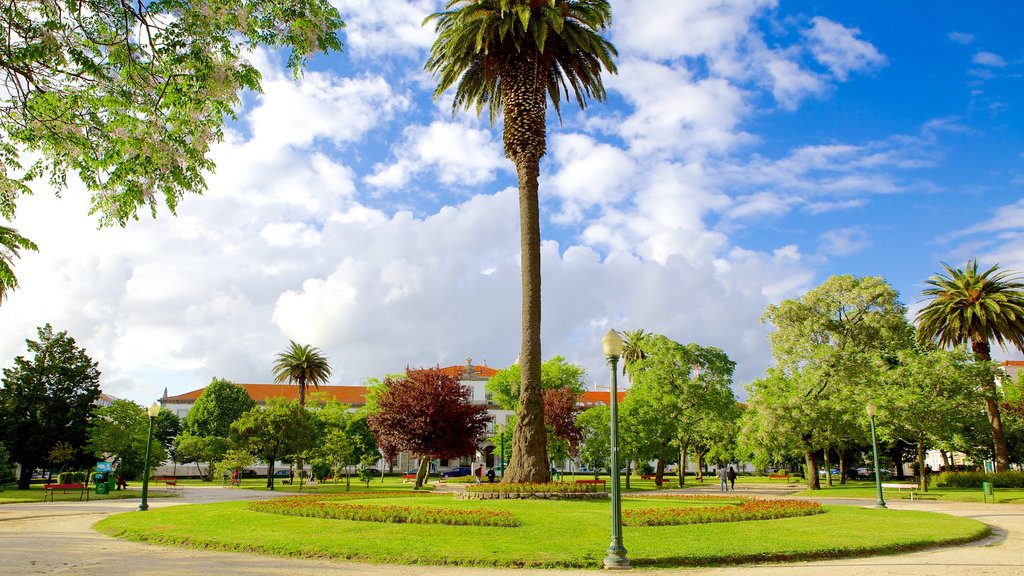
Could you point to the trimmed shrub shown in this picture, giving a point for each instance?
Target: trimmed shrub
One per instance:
(974, 479)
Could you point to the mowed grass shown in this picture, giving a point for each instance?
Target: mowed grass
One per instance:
(36, 494)
(862, 489)
(553, 534)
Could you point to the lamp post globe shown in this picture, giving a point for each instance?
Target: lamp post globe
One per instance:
(152, 411)
(872, 409)
(616, 559)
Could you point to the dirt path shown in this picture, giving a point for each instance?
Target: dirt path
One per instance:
(58, 539)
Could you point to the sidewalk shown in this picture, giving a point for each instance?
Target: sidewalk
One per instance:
(58, 539)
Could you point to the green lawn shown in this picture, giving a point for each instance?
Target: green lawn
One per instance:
(553, 534)
(864, 489)
(36, 493)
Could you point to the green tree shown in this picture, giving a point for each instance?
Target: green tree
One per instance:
(555, 374)
(827, 344)
(345, 439)
(277, 429)
(927, 394)
(10, 244)
(119, 432)
(207, 426)
(47, 399)
(511, 56)
(965, 306)
(678, 391)
(595, 449)
(220, 404)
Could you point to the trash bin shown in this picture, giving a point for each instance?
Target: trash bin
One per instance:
(987, 492)
(102, 486)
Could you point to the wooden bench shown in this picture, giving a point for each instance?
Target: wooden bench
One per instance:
(170, 483)
(51, 489)
(648, 476)
(406, 478)
(601, 483)
(901, 487)
(785, 477)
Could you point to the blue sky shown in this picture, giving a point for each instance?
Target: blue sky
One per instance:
(749, 149)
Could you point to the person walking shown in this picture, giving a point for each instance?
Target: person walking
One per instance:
(479, 473)
(731, 474)
(723, 475)
(490, 475)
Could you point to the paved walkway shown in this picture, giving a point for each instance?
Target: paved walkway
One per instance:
(57, 538)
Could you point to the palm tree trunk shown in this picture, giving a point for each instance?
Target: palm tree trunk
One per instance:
(982, 352)
(524, 101)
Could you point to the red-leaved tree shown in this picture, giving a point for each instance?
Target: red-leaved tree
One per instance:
(561, 406)
(429, 414)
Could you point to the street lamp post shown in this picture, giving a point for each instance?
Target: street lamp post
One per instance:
(872, 409)
(153, 410)
(616, 558)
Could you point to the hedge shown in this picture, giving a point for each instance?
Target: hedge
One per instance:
(974, 479)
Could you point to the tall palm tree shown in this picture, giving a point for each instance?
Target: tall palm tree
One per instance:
(970, 307)
(10, 243)
(303, 365)
(511, 56)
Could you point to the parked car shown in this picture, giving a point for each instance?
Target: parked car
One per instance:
(457, 472)
(282, 473)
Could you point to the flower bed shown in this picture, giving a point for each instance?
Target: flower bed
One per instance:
(541, 491)
(311, 506)
(745, 509)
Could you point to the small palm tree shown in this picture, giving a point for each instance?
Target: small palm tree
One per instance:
(303, 365)
(10, 243)
(966, 306)
(633, 343)
(511, 56)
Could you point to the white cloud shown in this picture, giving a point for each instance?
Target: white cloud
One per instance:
(692, 28)
(989, 59)
(839, 49)
(589, 173)
(674, 112)
(844, 241)
(960, 37)
(374, 28)
(458, 154)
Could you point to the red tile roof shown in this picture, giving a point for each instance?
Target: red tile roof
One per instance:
(594, 397)
(478, 371)
(260, 393)
(1017, 363)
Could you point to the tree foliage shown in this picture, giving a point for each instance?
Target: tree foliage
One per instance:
(11, 244)
(119, 432)
(274, 431)
(555, 374)
(47, 399)
(828, 347)
(430, 414)
(681, 396)
(303, 365)
(129, 96)
(220, 404)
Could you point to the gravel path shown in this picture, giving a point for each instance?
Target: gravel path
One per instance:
(57, 538)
